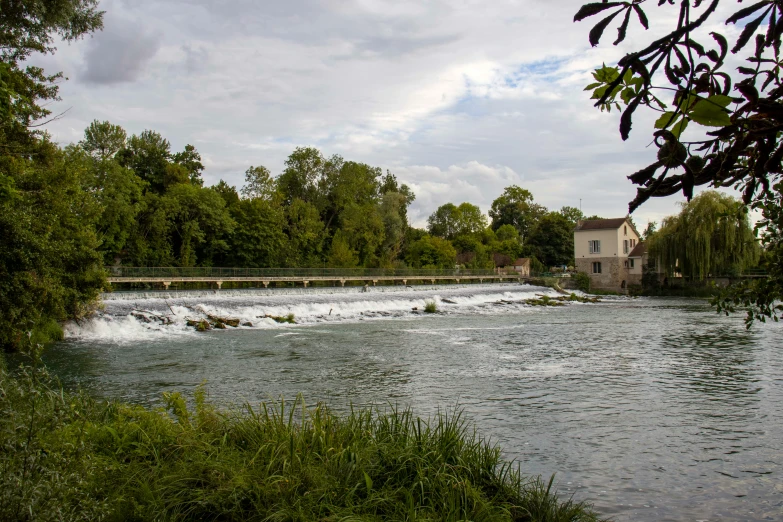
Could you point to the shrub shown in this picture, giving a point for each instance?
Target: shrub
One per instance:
(582, 281)
(430, 307)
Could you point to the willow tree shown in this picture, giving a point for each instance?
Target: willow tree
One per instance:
(711, 236)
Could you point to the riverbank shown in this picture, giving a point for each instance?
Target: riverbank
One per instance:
(68, 456)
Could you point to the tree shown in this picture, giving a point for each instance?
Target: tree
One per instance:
(711, 236)
(552, 240)
(198, 224)
(29, 27)
(50, 270)
(652, 226)
(363, 227)
(259, 183)
(227, 192)
(740, 110)
(341, 255)
(432, 252)
(258, 240)
(190, 159)
(443, 222)
(515, 207)
(389, 184)
(572, 214)
(148, 154)
(304, 171)
(49, 263)
(450, 221)
(306, 232)
(103, 140)
(392, 213)
(507, 232)
(118, 192)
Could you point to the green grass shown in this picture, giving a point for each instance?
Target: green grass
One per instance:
(430, 307)
(69, 457)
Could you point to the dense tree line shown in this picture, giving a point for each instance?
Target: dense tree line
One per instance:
(518, 227)
(154, 210)
(320, 211)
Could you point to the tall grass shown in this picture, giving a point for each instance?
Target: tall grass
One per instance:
(68, 457)
(430, 307)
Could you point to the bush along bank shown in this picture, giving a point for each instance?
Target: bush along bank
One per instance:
(69, 457)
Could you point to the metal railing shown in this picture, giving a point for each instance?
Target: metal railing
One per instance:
(212, 272)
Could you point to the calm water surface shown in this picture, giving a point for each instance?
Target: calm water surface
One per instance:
(653, 409)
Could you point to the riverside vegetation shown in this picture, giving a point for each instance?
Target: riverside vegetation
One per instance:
(69, 457)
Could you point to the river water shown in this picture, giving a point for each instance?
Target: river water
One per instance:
(651, 408)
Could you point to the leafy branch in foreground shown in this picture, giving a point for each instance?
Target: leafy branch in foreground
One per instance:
(686, 79)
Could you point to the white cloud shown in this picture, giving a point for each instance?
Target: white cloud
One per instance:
(459, 98)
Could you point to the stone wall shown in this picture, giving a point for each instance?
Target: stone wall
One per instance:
(613, 273)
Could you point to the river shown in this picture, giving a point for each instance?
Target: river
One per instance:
(651, 408)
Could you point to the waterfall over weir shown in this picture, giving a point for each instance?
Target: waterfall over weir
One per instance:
(130, 316)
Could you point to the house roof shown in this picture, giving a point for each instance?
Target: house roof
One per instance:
(601, 224)
(639, 250)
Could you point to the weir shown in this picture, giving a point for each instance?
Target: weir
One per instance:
(166, 276)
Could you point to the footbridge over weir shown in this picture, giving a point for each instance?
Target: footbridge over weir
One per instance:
(167, 276)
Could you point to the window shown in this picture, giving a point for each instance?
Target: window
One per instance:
(626, 263)
(594, 247)
(625, 246)
(597, 267)
(625, 230)
(631, 261)
(633, 243)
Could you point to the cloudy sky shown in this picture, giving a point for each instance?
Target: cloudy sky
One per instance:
(459, 98)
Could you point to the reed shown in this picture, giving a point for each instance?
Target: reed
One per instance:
(67, 456)
(430, 307)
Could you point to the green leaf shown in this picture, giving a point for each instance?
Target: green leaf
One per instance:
(367, 481)
(593, 86)
(665, 119)
(679, 127)
(599, 92)
(627, 94)
(710, 112)
(720, 99)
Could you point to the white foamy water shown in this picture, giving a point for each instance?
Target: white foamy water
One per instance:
(133, 316)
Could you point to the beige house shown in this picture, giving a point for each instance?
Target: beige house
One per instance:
(522, 266)
(610, 252)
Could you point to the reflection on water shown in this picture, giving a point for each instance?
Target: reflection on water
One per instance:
(655, 409)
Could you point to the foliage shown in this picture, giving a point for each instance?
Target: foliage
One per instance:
(711, 236)
(258, 184)
(582, 281)
(515, 207)
(762, 297)
(431, 252)
(430, 307)
(341, 255)
(552, 240)
(69, 457)
(30, 27)
(652, 226)
(103, 140)
(49, 265)
(741, 111)
(450, 221)
(572, 214)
